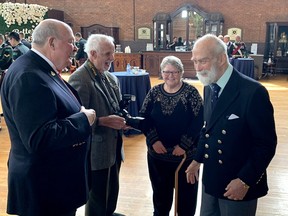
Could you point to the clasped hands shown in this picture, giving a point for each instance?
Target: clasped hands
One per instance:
(160, 149)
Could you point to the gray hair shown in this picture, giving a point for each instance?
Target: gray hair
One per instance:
(174, 61)
(218, 47)
(94, 42)
(47, 28)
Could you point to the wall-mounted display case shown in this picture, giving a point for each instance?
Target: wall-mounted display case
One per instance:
(277, 45)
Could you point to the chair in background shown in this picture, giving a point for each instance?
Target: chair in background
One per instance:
(269, 68)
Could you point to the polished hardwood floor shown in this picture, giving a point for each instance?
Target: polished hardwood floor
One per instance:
(135, 198)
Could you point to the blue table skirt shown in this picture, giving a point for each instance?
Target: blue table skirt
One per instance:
(134, 84)
(244, 65)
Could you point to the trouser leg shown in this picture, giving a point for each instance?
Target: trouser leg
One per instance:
(113, 188)
(97, 203)
(237, 208)
(187, 193)
(209, 204)
(162, 181)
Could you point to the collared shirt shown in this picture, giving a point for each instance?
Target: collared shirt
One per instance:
(45, 58)
(225, 78)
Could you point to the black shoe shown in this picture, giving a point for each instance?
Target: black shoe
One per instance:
(117, 214)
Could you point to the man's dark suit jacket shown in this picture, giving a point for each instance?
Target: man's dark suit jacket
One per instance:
(239, 140)
(47, 163)
(26, 43)
(6, 56)
(81, 54)
(230, 48)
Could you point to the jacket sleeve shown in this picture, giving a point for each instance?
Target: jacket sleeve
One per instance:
(262, 126)
(57, 122)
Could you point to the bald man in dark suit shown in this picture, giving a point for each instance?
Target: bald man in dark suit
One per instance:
(48, 128)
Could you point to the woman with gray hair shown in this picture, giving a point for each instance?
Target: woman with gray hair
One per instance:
(173, 114)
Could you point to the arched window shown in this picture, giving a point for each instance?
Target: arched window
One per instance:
(187, 22)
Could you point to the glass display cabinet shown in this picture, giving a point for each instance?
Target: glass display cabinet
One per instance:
(161, 28)
(277, 45)
(187, 22)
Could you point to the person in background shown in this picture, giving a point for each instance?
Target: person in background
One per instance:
(180, 41)
(80, 56)
(99, 90)
(173, 113)
(173, 44)
(229, 45)
(18, 48)
(49, 129)
(188, 44)
(6, 53)
(23, 40)
(7, 38)
(5, 61)
(239, 48)
(238, 139)
(221, 37)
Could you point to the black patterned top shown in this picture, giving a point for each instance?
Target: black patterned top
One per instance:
(172, 118)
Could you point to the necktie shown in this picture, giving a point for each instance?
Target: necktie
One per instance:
(215, 91)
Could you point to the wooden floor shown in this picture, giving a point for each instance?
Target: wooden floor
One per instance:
(135, 197)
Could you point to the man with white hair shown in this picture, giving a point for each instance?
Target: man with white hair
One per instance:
(238, 139)
(99, 90)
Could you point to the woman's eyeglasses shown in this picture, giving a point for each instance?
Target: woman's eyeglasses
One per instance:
(167, 73)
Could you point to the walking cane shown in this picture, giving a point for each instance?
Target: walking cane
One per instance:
(176, 184)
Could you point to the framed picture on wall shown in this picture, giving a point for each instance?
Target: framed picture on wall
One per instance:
(232, 32)
(144, 33)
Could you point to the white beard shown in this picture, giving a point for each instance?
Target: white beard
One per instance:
(207, 77)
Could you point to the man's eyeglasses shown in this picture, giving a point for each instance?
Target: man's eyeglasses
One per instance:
(167, 73)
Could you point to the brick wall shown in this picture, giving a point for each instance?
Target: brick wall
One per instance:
(249, 15)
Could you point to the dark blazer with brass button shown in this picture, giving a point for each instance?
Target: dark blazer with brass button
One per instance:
(239, 139)
(47, 166)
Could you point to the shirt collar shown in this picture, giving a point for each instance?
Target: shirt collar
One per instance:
(225, 77)
(45, 58)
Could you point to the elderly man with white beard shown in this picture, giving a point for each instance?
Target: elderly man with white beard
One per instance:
(238, 139)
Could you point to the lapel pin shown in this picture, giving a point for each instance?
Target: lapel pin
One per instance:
(53, 73)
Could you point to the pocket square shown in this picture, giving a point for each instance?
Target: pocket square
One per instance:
(233, 116)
